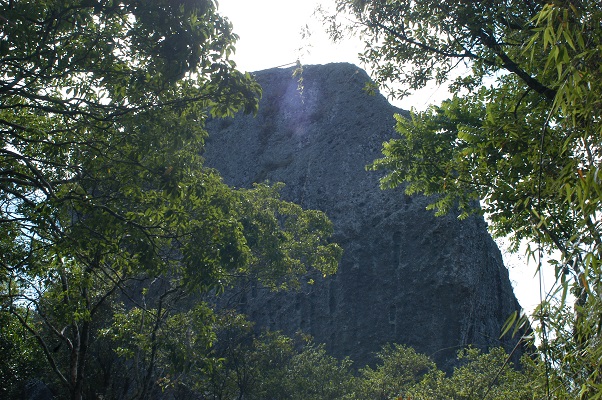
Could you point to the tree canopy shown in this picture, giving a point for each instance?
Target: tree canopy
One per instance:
(274, 366)
(519, 140)
(111, 228)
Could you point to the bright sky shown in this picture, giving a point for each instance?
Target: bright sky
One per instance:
(271, 36)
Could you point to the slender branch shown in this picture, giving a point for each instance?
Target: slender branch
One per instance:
(407, 39)
(43, 345)
(45, 185)
(511, 66)
(154, 347)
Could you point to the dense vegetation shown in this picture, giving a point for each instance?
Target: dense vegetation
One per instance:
(111, 228)
(522, 134)
(273, 366)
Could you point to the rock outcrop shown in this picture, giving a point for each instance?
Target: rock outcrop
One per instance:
(37, 390)
(434, 283)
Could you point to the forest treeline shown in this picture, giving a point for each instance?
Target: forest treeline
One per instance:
(243, 364)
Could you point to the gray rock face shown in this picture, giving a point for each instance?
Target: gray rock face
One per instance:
(436, 284)
(37, 390)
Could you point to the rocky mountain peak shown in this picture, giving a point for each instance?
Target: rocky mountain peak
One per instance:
(434, 283)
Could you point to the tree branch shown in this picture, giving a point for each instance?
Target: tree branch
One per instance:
(43, 345)
(511, 66)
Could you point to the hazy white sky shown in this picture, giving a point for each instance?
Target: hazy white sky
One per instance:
(271, 36)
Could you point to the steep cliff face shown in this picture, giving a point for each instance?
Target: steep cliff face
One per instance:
(436, 284)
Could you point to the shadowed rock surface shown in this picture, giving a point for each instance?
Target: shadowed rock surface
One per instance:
(436, 284)
(37, 390)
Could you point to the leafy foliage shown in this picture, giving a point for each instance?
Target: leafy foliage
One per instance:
(110, 226)
(20, 357)
(272, 365)
(479, 376)
(399, 369)
(276, 366)
(522, 135)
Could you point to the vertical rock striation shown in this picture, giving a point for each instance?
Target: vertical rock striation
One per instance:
(436, 284)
